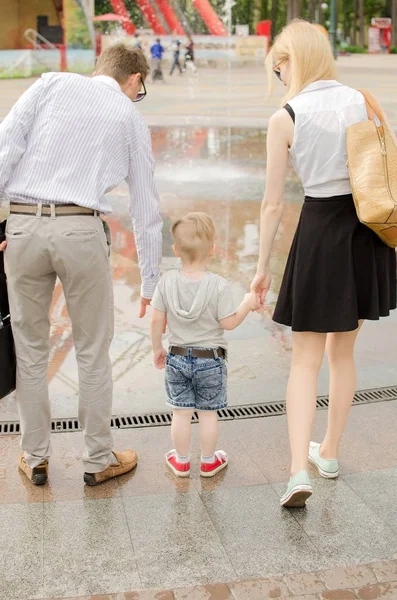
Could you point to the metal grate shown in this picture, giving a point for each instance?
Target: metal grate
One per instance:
(249, 411)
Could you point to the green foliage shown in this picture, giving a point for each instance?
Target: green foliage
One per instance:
(77, 33)
(355, 49)
(393, 50)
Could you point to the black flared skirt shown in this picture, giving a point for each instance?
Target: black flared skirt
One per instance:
(338, 271)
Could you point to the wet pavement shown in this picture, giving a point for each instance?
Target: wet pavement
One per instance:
(152, 531)
(220, 171)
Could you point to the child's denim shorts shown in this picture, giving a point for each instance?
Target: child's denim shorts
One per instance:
(196, 383)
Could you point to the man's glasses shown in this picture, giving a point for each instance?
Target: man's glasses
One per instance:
(141, 94)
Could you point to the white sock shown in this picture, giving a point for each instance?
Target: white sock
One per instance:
(209, 460)
(182, 459)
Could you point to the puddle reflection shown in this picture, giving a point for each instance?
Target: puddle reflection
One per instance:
(216, 170)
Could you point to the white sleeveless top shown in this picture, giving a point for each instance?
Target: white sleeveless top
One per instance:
(323, 112)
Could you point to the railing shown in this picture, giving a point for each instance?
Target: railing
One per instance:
(40, 43)
(32, 36)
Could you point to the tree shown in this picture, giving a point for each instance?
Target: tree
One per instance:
(312, 10)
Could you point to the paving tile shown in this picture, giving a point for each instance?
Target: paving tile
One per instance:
(140, 595)
(151, 475)
(66, 472)
(349, 577)
(259, 589)
(378, 489)
(14, 485)
(305, 583)
(304, 597)
(385, 571)
(242, 470)
(217, 591)
(260, 539)
(361, 450)
(87, 548)
(342, 527)
(266, 441)
(21, 541)
(175, 542)
(146, 595)
(380, 591)
(338, 595)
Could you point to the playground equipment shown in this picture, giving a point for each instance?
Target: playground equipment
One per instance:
(163, 19)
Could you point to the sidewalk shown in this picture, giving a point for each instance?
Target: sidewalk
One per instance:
(149, 530)
(240, 99)
(377, 581)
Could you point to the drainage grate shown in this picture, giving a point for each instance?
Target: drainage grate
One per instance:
(250, 411)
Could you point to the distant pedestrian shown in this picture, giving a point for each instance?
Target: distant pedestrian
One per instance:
(137, 42)
(189, 56)
(176, 47)
(157, 52)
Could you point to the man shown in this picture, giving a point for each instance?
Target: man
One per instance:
(66, 142)
(157, 52)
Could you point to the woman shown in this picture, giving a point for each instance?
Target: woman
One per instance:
(338, 273)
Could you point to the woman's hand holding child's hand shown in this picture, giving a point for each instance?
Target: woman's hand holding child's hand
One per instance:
(253, 301)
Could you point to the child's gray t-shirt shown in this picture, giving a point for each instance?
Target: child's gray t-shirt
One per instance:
(194, 308)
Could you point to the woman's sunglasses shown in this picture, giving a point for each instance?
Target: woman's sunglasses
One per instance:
(276, 69)
(141, 94)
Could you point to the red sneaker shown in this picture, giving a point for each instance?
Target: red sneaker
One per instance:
(211, 469)
(179, 469)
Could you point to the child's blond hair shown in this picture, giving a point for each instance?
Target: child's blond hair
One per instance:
(194, 236)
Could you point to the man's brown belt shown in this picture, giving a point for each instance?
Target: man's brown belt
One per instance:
(197, 353)
(49, 210)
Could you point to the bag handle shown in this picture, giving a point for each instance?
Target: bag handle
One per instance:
(373, 106)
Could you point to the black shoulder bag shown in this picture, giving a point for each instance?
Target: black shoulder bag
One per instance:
(7, 350)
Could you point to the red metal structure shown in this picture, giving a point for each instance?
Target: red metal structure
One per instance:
(150, 15)
(120, 9)
(203, 7)
(210, 18)
(170, 17)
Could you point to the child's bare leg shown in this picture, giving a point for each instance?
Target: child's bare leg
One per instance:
(208, 431)
(181, 431)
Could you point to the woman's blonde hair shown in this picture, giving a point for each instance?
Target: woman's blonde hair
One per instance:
(309, 53)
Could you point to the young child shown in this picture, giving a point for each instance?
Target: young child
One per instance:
(198, 306)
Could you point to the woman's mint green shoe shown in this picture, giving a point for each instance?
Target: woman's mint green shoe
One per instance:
(327, 468)
(298, 491)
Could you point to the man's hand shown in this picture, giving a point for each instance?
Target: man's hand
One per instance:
(3, 246)
(142, 308)
(159, 358)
